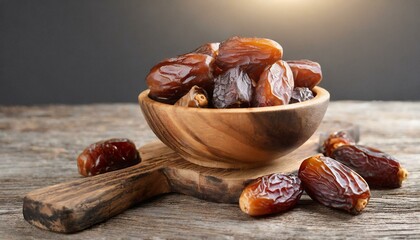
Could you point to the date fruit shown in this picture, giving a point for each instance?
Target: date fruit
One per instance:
(336, 140)
(172, 78)
(251, 54)
(379, 169)
(211, 49)
(106, 156)
(196, 97)
(271, 194)
(275, 86)
(301, 94)
(334, 184)
(230, 66)
(306, 73)
(232, 89)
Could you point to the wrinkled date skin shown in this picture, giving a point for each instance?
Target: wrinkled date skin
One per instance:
(172, 78)
(336, 140)
(275, 86)
(211, 49)
(106, 156)
(379, 169)
(271, 194)
(196, 97)
(301, 94)
(232, 89)
(306, 73)
(251, 54)
(333, 184)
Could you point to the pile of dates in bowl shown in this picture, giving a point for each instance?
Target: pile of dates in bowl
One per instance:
(236, 73)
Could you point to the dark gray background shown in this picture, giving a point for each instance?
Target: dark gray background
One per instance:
(84, 51)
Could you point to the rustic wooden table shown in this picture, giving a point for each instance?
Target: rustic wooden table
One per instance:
(38, 147)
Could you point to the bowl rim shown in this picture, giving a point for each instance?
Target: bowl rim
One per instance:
(322, 95)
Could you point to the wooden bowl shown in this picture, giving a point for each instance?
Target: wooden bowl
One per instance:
(237, 137)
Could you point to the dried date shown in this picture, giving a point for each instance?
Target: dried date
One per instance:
(275, 86)
(336, 140)
(251, 54)
(271, 194)
(196, 97)
(301, 94)
(306, 73)
(211, 49)
(232, 89)
(106, 156)
(172, 78)
(379, 169)
(334, 184)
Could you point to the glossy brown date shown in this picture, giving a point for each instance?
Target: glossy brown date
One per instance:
(232, 89)
(251, 54)
(106, 156)
(271, 194)
(301, 94)
(196, 97)
(211, 49)
(275, 86)
(336, 140)
(379, 169)
(333, 184)
(172, 78)
(306, 73)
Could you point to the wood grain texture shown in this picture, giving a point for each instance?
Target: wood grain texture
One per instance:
(237, 137)
(73, 206)
(76, 205)
(39, 145)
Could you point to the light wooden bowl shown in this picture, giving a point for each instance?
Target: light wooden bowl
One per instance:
(238, 137)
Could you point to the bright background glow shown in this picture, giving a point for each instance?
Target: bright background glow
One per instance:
(100, 51)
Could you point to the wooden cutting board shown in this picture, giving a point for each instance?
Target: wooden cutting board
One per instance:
(79, 204)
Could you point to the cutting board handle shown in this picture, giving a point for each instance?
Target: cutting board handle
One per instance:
(76, 205)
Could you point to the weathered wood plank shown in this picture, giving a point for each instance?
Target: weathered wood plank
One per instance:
(38, 147)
